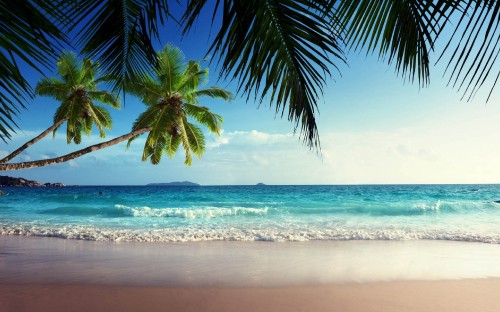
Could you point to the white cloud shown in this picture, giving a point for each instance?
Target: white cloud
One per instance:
(73, 163)
(437, 154)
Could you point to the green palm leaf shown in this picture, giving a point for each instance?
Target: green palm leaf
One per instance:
(170, 68)
(105, 98)
(195, 138)
(186, 144)
(172, 144)
(277, 48)
(212, 92)
(88, 123)
(120, 34)
(193, 77)
(404, 31)
(52, 87)
(205, 117)
(69, 69)
(28, 34)
(147, 89)
(87, 74)
(101, 117)
(476, 38)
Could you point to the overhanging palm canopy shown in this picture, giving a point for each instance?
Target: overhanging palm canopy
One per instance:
(281, 50)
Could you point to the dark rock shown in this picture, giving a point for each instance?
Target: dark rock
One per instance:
(10, 181)
(53, 184)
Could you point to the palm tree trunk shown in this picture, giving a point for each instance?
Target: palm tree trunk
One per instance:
(32, 141)
(60, 159)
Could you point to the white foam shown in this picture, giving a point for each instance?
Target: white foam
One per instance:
(204, 213)
(206, 233)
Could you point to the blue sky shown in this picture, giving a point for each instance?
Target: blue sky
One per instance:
(374, 128)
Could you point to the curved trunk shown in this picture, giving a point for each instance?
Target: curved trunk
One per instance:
(60, 159)
(32, 141)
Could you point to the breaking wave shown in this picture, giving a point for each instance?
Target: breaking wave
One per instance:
(193, 213)
(283, 234)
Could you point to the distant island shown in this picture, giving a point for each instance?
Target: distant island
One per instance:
(259, 184)
(11, 181)
(184, 183)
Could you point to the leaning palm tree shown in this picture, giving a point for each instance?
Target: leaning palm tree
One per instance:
(77, 90)
(172, 102)
(171, 97)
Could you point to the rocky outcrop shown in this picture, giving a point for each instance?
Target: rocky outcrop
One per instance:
(10, 181)
(57, 184)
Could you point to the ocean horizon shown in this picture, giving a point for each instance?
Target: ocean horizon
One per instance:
(274, 213)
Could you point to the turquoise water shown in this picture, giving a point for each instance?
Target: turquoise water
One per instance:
(249, 213)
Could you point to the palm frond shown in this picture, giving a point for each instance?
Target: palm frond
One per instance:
(195, 137)
(170, 67)
(205, 117)
(105, 97)
(104, 116)
(77, 134)
(186, 144)
(88, 71)
(157, 150)
(404, 31)
(29, 34)
(145, 119)
(52, 87)
(101, 117)
(69, 68)
(276, 48)
(193, 77)
(212, 92)
(167, 118)
(476, 42)
(120, 34)
(147, 89)
(87, 127)
(62, 111)
(172, 144)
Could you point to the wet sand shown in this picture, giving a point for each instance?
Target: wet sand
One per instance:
(48, 274)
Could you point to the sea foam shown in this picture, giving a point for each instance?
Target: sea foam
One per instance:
(205, 233)
(187, 213)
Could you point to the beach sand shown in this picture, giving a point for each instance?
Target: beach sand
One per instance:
(418, 296)
(48, 274)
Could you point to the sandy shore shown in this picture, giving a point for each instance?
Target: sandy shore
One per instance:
(47, 274)
(418, 296)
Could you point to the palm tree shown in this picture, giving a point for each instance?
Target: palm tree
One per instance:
(77, 90)
(171, 97)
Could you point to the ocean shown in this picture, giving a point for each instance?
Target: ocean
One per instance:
(254, 213)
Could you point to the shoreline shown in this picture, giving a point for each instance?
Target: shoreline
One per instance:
(42, 260)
